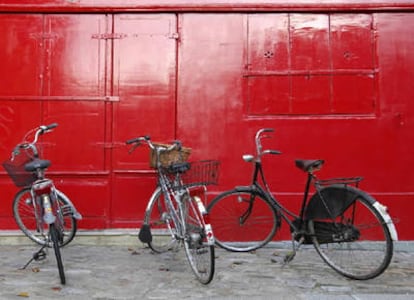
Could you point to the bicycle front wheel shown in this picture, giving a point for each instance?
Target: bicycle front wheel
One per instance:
(357, 244)
(242, 220)
(161, 225)
(199, 252)
(55, 239)
(25, 216)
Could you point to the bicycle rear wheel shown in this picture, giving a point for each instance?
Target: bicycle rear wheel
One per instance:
(162, 227)
(242, 220)
(199, 252)
(55, 238)
(358, 244)
(25, 217)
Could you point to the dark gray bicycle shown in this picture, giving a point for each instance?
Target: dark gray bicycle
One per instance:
(351, 231)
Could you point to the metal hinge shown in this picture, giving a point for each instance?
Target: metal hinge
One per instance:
(174, 35)
(108, 36)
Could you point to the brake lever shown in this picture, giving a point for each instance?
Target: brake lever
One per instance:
(135, 146)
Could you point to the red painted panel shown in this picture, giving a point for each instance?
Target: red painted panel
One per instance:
(311, 95)
(90, 195)
(270, 35)
(15, 121)
(75, 145)
(353, 94)
(131, 192)
(269, 95)
(20, 54)
(309, 41)
(144, 79)
(210, 104)
(76, 58)
(352, 41)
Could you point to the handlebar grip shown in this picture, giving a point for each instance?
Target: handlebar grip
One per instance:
(268, 130)
(51, 126)
(131, 141)
(275, 152)
(137, 139)
(46, 128)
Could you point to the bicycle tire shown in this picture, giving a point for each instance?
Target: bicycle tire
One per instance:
(200, 254)
(225, 213)
(162, 227)
(54, 236)
(25, 217)
(365, 255)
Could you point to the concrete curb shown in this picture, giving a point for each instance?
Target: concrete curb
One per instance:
(83, 237)
(113, 237)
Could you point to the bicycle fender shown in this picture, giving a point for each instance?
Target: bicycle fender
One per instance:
(338, 198)
(331, 201)
(247, 188)
(382, 209)
(75, 213)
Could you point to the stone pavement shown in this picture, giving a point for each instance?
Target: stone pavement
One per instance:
(130, 271)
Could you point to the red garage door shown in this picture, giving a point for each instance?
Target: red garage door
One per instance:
(104, 79)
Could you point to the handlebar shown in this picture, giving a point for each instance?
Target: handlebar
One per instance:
(26, 144)
(260, 134)
(147, 139)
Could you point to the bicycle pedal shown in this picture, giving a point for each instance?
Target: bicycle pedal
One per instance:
(38, 256)
(289, 257)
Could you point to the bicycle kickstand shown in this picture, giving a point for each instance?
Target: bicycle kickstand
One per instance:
(291, 255)
(39, 255)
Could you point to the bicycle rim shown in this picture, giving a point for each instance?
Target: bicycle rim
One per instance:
(161, 225)
(200, 255)
(370, 251)
(231, 233)
(25, 217)
(54, 236)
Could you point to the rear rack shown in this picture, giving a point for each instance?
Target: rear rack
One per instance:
(343, 181)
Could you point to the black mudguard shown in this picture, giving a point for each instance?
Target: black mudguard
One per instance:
(331, 201)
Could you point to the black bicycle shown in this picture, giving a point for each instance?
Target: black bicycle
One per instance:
(42, 212)
(351, 231)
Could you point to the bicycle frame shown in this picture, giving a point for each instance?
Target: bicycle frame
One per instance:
(265, 192)
(177, 195)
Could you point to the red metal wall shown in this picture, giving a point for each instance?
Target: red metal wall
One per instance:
(334, 80)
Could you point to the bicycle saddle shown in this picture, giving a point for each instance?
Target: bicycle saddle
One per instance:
(179, 168)
(37, 164)
(309, 165)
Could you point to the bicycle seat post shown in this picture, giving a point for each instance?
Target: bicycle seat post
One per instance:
(305, 194)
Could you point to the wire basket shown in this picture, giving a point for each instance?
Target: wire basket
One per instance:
(202, 172)
(15, 169)
(168, 158)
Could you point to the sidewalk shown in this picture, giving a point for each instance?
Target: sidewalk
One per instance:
(129, 270)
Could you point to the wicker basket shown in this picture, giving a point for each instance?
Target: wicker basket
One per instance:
(169, 157)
